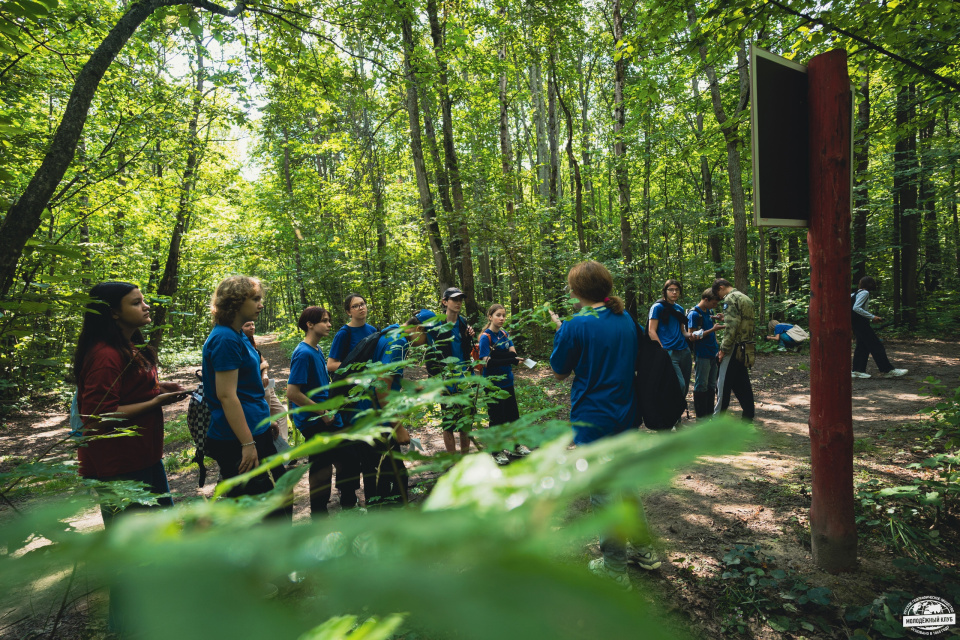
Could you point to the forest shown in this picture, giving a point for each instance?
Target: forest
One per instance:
(399, 147)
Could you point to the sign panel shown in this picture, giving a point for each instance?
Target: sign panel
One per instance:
(779, 141)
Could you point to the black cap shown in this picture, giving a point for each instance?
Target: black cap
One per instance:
(453, 292)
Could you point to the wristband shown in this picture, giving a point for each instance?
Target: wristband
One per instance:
(249, 444)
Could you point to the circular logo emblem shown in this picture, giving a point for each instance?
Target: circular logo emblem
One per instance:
(928, 615)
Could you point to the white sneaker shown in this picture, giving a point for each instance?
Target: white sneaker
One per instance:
(622, 579)
(501, 458)
(523, 450)
(896, 373)
(859, 374)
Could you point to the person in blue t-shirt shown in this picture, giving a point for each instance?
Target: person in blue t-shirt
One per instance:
(390, 486)
(598, 346)
(703, 329)
(498, 355)
(348, 337)
(350, 334)
(778, 333)
(456, 342)
(240, 433)
(668, 326)
(305, 386)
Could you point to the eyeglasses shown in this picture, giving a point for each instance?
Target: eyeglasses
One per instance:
(673, 289)
(359, 305)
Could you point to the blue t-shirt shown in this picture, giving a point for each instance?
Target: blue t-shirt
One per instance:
(707, 346)
(391, 348)
(500, 340)
(347, 338)
(781, 331)
(228, 350)
(668, 329)
(599, 349)
(308, 370)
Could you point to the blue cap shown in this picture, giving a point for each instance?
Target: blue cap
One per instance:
(424, 315)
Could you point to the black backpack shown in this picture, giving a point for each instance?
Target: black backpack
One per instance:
(358, 356)
(198, 421)
(658, 396)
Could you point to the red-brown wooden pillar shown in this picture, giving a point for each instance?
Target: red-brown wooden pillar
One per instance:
(833, 530)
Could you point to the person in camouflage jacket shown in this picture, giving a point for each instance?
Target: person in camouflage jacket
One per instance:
(737, 349)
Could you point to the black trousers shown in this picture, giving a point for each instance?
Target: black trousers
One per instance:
(503, 410)
(346, 459)
(228, 453)
(868, 344)
(735, 377)
(385, 476)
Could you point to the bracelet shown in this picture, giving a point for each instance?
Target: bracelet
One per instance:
(249, 444)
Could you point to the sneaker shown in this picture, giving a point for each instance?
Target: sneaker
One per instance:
(646, 558)
(896, 373)
(597, 568)
(501, 458)
(523, 450)
(859, 374)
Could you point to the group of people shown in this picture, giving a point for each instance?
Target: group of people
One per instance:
(723, 366)
(118, 385)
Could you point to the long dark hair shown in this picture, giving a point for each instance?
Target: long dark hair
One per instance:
(100, 326)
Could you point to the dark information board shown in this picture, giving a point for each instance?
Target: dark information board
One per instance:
(779, 141)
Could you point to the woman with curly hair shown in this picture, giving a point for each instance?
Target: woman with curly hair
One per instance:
(240, 433)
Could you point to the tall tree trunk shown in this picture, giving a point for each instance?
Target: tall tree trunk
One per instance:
(452, 164)
(906, 165)
(933, 258)
(540, 120)
(585, 132)
(646, 281)
(170, 280)
(729, 126)
(794, 272)
(444, 275)
(954, 201)
(575, 170)
(23, 218)
(861, 161)
(551, 282)
(289, 207)
(443, 188)
(620, 160)
(506, 157)
(711, 214)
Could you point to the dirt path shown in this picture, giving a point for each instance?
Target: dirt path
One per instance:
(759, 496)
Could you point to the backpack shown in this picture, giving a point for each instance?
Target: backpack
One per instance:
(198, 421)
(658, 397)
(475, 351)
(358, 356)
(797, 334)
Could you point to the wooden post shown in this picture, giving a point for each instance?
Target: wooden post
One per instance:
(833, 531)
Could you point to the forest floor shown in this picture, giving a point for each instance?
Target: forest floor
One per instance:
(760, 496)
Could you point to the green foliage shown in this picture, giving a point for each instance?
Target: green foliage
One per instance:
(486, 540)
(753, 588)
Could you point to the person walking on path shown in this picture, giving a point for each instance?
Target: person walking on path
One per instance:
(867, 341)
(703, 328)
(592, 346)
(270, 387)
(668, 326)
(737, 350)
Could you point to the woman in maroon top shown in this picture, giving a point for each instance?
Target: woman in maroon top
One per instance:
(117, 379)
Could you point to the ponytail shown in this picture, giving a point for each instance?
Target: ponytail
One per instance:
(615, 304)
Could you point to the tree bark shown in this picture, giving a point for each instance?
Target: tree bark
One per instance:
(620, 162)
(297, 235)
(452, 164)
(933, 259)
(506, 158)
(905, 165)
(861, 192)
(575, 169)
(444, 275)
(729, 126)
(170, 280)
(23, 218)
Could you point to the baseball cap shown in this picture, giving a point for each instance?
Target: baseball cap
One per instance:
(453, 292)
(423, 315)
